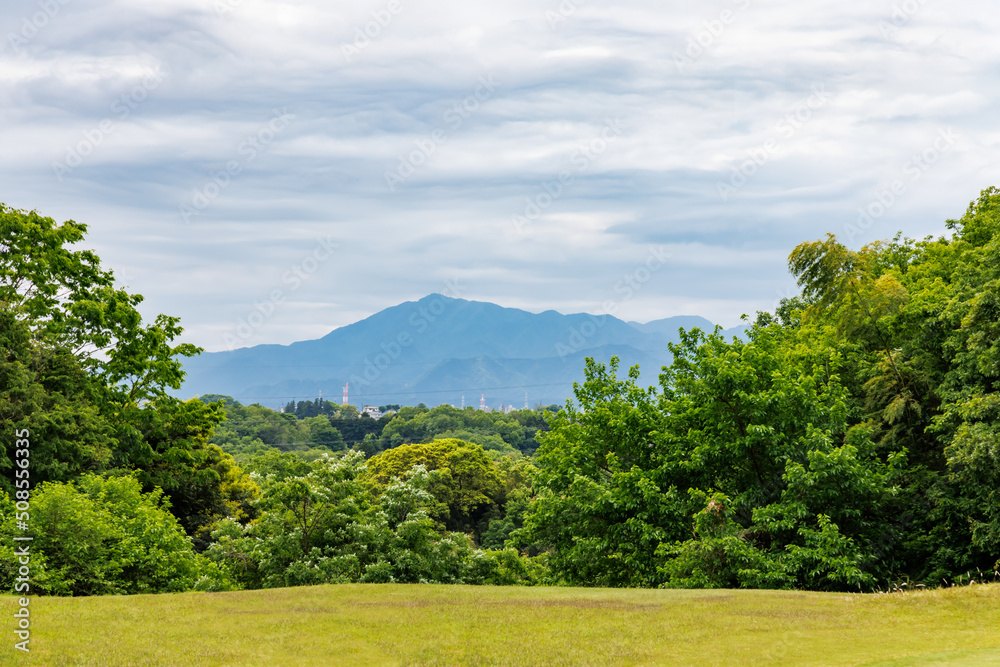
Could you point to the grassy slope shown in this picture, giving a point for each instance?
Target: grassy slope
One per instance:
(397, 624)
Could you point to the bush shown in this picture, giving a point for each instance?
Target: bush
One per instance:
(104, 536)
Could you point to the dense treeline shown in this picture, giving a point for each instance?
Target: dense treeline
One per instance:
(412, 514)
(315, 427)
(127, 491)
(850, 441)
(497, 431)
(107, 454)
(253, 429)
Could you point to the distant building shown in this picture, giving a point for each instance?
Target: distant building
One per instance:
(372, 411)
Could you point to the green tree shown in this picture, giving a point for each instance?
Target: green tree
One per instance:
(504, 433)
(918, 321)
(741, 470)
(90, 381)
(603, 505)
(69, 301)
(330, 525)
(323, 434)
(104, 536)
(466, 484)
(46, 391)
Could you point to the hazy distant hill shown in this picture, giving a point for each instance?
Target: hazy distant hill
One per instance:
(670, 325)
(437, 350)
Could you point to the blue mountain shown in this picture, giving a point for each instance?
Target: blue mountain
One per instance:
(439, 350)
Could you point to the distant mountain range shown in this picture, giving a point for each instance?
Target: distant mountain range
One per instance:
(439, 350)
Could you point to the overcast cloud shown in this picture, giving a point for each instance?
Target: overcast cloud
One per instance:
(328, 160)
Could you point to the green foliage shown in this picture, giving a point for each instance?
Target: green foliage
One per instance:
(924, 384)
(70, 302)
(89, 380)
(974, 467)
(465, 483)
(517, 475)
(330, 526)
(104, 536)
(47, 391)
(356, 428)
(315, 408)
(720, 555)
(275, 464)
(850, 442)
(603, 504)
(757, 434)
(496, 431)
(253, 429)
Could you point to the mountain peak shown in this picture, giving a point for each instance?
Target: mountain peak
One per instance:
(435, 350)
(436, 295)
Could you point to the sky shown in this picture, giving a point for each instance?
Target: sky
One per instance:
(269, 171)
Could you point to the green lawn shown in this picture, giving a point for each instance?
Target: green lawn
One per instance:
(445, 625)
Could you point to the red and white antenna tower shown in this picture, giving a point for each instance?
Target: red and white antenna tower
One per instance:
(345, 392)
(482, 401)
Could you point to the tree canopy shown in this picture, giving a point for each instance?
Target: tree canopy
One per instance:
(851, 442)
(90, 380)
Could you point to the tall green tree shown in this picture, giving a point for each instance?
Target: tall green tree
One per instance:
(741, 470)
(90, 380)
(919, 320)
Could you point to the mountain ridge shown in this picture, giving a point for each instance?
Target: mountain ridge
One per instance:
(435, 350)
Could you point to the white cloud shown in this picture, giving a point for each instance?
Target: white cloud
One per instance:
(688, 126)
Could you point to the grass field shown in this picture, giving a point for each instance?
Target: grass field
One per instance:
(446, 625)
